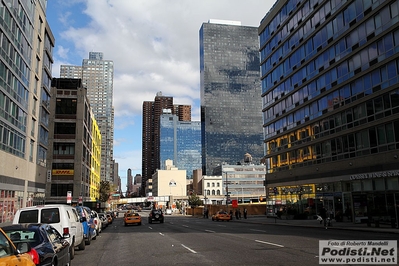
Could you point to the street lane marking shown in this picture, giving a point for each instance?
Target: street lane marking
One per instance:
(268, 243)
(185, 225)
(150, 227)
(189, 249)
(210, 231)
(161, 234)
(263, 231)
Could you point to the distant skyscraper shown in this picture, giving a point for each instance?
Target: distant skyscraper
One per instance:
(231, 108)
(97, 76)
(150, 137)
(180, 141)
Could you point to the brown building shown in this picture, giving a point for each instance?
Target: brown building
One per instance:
(75, 145)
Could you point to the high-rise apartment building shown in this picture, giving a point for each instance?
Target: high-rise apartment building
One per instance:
(76, 145)
(25, 76)
(231, 110)
(152, 111)
(330, 79)
(97, 76)
(180, 141)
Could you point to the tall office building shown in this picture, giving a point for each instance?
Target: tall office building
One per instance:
(231, 110)
(97, 76)
(330, 79)
(76, 145)
(25, 77)
(152, 111)
(180, 141)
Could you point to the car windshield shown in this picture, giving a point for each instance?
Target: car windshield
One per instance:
(26, 235)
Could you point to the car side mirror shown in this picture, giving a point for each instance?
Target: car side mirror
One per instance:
(23, 247)
(83, 219)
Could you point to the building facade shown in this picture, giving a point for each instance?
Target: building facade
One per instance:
(180, 141)
(330, 80)
(97, 77)
(231, 111)
(75, 138)
(25, 80)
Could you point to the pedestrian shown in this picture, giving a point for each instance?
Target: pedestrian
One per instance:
(236, 214)
(239, 214)
(323, 215)
(206, 213)
(231, 214)
(245, 213)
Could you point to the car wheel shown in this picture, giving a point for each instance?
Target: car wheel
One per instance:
(72, 251)
(125, 224)
(82, 246)
(161, 221)
(88, 241)
(69, 260)
(139, 223)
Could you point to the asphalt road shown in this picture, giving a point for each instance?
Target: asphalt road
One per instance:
(196, 241)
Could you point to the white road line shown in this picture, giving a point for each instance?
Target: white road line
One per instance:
(268, 243)
(150, 227)
(210, 231)
(185, 225)
(161, 234)
(189, 249)
(263, 231)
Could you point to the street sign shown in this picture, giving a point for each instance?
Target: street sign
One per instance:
(69, 197)
(80, 200)
(234, 203)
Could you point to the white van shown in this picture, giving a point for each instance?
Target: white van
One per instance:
(61, 216)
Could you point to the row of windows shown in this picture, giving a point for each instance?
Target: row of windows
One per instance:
(372, 110)
(381, 78)
(329, 8)
(12, 141)
(12, 113)
(13, 29)
(370, 141)
(343, 47)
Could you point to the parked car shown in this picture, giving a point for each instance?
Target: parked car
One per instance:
(104, 219)
(156, 215)
(109, 217)
(15, 255)
(132, 218)
(97, 221)
(62, 217)
(52, 248)
(221, 216)
(89, 228)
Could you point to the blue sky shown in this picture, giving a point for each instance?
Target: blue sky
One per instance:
(155, 47)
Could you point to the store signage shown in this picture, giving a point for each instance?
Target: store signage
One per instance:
(62, 172)
(375, 175)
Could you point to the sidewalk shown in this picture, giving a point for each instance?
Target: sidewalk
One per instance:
(262, 219)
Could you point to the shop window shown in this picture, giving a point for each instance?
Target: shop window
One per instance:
(392, 183)
(379, 184)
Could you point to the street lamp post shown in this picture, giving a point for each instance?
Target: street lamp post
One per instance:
(205, 199)
(227, 194)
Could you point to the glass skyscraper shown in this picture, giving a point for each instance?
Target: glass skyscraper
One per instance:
(231, 109)
(180, 141)
(330, 76)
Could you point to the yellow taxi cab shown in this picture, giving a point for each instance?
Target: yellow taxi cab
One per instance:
(9, 255)
(132, 218)
(221, 216)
